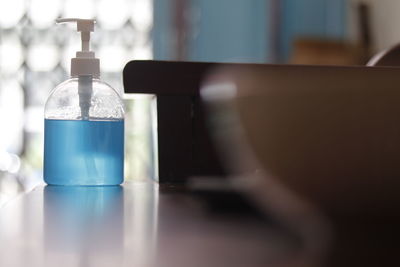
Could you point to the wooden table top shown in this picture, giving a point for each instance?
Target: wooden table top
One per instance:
(132, 225)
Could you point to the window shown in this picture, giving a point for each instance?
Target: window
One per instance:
(35, 57)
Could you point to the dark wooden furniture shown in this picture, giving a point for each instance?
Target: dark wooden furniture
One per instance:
(184, 145)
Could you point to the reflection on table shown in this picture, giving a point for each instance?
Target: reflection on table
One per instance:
(133, 225)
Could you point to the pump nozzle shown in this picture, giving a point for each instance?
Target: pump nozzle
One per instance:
(84, 66)
(85, 62)
(85, 26)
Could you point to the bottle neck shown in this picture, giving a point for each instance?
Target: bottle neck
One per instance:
(95, 77)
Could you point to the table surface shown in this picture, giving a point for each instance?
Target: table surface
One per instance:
(131, 225)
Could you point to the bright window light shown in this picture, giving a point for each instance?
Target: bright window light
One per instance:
(112, 14)
(42, 57)
(11, 115)
(113, 58)
(44, 12)
(11, 12)
(142, 53)
(142, 15)
(11, 53)
(79, 9)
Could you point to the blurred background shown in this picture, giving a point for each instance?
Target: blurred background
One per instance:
(35, 55)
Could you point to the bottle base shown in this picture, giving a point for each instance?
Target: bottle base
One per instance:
(53, 183)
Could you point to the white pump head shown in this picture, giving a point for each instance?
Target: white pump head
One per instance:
(85, 62)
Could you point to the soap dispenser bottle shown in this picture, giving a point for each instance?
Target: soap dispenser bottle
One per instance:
(84, 124)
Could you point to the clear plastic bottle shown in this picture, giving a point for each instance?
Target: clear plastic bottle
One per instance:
(84, 125)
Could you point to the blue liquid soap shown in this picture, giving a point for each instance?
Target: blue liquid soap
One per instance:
(84, 152)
